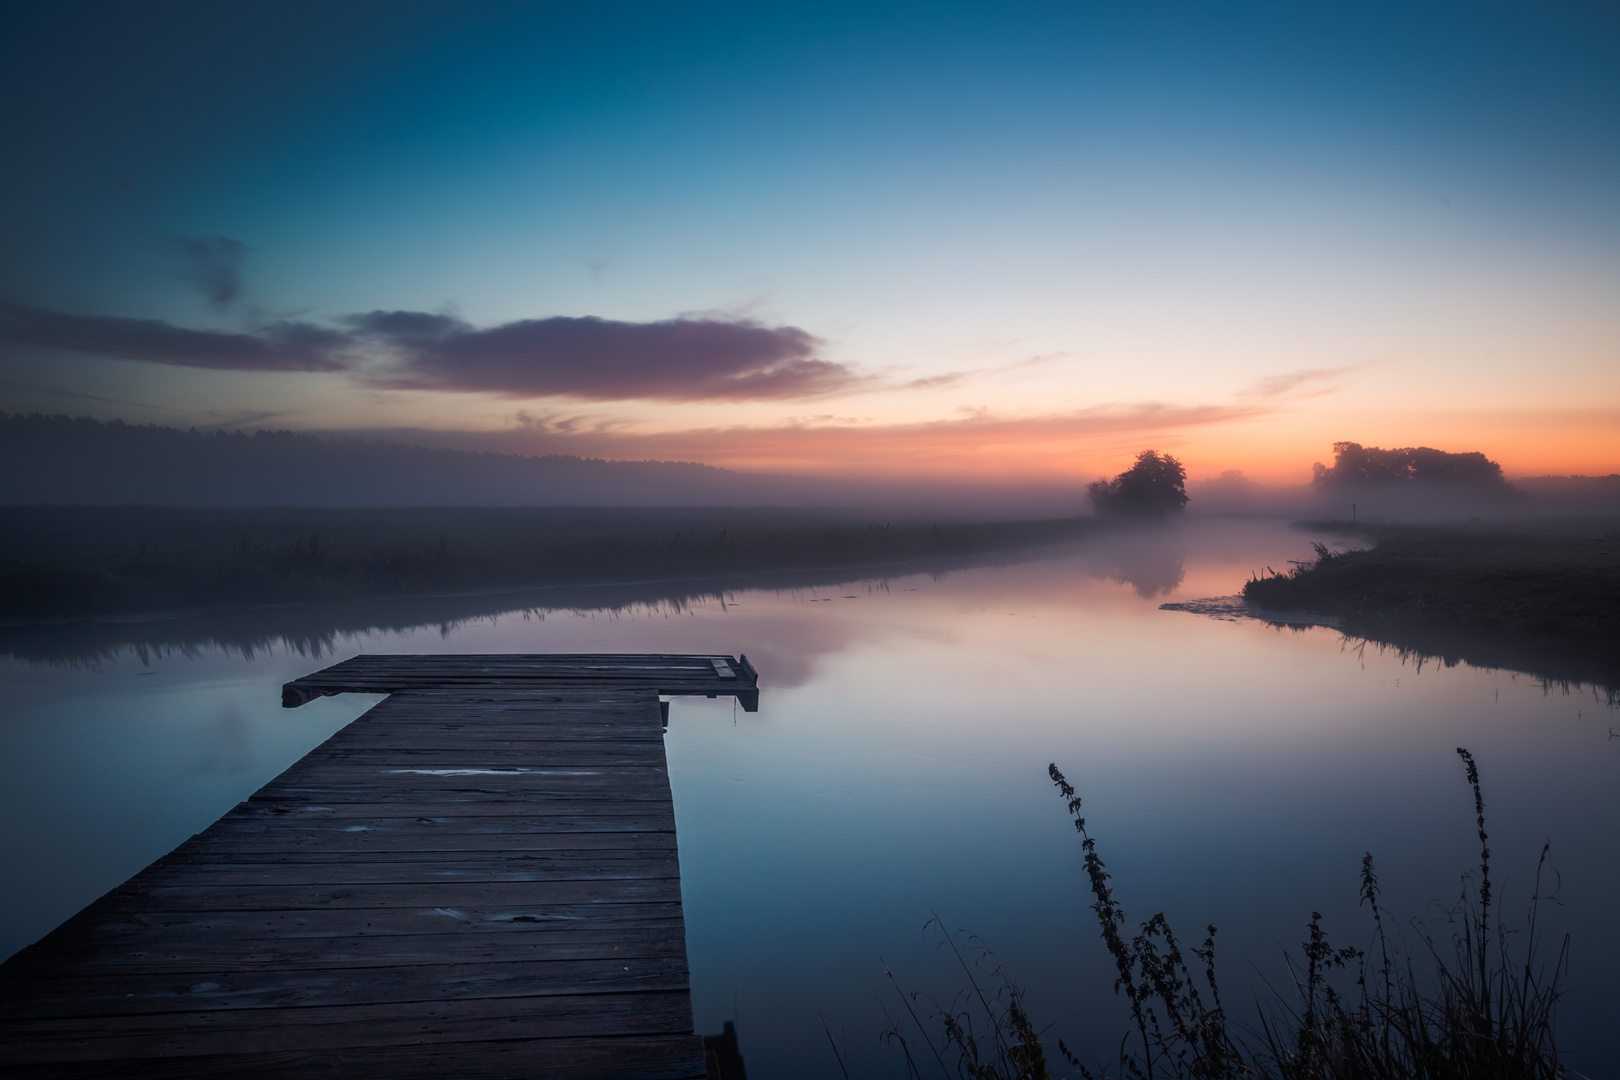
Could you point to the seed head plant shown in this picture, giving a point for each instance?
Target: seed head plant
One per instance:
(1476, 1003)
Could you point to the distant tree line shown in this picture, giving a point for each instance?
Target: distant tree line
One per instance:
(1357, 465)
(61, 460)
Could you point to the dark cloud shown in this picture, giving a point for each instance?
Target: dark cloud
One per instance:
(602, 359)
(214, 266)
(588, 358)
(283, 346)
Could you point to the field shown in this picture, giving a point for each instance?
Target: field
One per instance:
(64, 562)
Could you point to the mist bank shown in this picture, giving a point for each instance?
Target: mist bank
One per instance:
(62, 562)
(63, 461)
(1530, 497)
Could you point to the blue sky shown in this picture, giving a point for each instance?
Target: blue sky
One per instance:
(1050, 232)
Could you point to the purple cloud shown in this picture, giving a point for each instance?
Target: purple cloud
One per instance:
(282, 346)
(602, 359)
(589, 358)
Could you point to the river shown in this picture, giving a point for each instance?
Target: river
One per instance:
(1233, 772)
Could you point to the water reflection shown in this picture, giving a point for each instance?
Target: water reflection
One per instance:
(324, 631)
(223, 743)
(1235, 773)
(1571, 667)
(1151, 561)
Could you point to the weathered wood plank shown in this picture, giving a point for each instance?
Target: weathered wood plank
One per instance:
(175, 955)
(122, 928)
(443, 812)
(254, 897)
(710, 675)
(143, 993)
(229, 1030)
(636, 1057)
(536, 757)
(422, 841)
(569, 865)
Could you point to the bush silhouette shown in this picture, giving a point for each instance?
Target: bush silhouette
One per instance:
(1153, 487)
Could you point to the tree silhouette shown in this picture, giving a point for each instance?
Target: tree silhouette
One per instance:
(1153, 487)
(1356, 464)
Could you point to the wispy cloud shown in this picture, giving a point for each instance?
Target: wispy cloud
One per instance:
(280, 346)
(79, 395)
(1316, 380)
(977, 442)
(955, 378)
(937, 382)
(230, 418)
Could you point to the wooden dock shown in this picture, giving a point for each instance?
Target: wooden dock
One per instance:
(477, 878)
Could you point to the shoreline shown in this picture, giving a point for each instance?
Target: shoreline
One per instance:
(88, 566)
(1545, 602)
(1560, 580)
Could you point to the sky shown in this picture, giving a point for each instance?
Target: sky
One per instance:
(1013, 239)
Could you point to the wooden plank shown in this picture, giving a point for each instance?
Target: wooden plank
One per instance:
(490, 787)
(637, 1057)
(227, 1030)
(516, 841)
(184, 896)
(526, 756)
(573, 865)
(444, 813)
(196, 955)
(478, 878)
(710, 675)
(129, 994)
(253, 928)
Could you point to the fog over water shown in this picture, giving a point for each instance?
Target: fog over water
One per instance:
(1234, 772)
(80, 462)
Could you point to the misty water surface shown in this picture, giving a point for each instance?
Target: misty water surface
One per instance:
(1233, 773)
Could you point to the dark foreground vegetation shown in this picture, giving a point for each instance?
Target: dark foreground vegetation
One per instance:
(1478, 1003)
(1558, 580)
(1545, 602)
(61, 562)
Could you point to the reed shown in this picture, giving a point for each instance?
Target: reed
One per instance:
(1476, 1001)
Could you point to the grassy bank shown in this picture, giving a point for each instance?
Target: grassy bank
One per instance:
(1557, 582)
(70, 562)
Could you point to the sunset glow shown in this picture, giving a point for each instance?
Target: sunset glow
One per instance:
(986, 243)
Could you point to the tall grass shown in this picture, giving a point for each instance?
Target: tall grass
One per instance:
(985, 1032)
(1474, 1002)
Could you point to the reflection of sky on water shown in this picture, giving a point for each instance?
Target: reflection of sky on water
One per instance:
(1233, 772)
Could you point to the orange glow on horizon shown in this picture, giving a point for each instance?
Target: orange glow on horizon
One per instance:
(1268, 446)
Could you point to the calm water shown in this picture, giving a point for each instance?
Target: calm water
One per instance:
(1233, 773)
